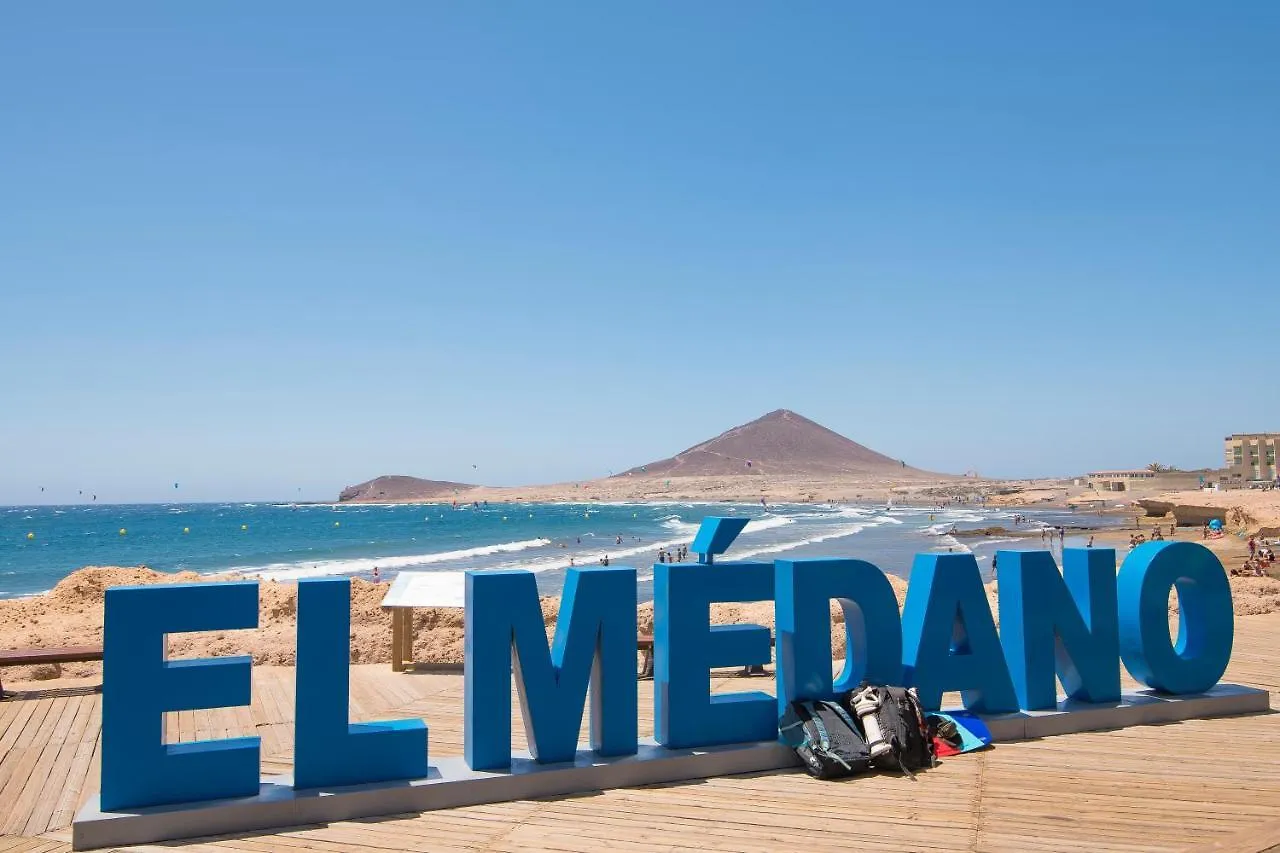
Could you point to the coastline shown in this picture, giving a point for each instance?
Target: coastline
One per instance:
(71, 613)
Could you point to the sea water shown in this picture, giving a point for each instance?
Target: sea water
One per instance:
(287, 541)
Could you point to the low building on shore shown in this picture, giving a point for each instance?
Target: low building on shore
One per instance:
(1145, 480)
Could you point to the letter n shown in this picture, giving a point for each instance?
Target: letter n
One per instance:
(1060, 623)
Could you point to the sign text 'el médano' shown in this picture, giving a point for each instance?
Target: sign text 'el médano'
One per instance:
(1075, 626)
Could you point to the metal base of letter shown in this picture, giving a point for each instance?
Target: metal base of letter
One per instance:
(451, 783)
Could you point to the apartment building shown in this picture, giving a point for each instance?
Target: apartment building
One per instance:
(1250, 458)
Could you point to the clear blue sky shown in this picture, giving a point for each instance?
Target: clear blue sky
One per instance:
(262, 247)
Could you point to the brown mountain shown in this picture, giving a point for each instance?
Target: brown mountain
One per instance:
(781, 443)
(401, 488)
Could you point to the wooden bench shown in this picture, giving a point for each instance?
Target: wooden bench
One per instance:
(644, 643)
(71, 654)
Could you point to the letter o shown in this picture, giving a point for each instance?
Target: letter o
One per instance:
(1206, 619)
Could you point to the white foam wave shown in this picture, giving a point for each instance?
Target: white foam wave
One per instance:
(767, 522)
(321, 568)
(779, 547)
(952, 544)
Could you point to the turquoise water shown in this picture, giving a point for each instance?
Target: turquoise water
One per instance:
(283, 541)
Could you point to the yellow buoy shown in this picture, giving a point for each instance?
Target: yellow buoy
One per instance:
(244, 527)
(123, 531)
(31, 536)
(186, 530)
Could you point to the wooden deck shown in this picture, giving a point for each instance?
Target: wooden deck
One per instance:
(1198, 785)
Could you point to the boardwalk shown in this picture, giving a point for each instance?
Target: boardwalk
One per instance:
(1198, 785)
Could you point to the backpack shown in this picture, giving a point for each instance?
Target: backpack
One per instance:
(896, 731)
(826, 738)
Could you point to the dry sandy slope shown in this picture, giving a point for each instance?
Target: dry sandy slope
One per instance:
(71, 614)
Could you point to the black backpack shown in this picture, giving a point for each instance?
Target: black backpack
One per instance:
(826, 738)
(904, 743)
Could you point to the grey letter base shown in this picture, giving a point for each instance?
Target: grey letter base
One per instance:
(451, 783)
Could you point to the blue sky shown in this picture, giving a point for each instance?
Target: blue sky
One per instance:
(273, 249)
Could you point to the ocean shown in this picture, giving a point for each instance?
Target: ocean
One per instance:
(39, 545)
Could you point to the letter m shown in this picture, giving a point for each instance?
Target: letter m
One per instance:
(594, 647)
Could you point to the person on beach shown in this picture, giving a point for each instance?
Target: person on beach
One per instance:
(1253, 548)
(1090, 545)
(375, 574)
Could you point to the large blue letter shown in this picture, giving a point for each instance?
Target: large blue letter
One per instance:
(686, 648)
(595, 644)
(329, 751)
(139, 685)
(1206, 620)
(948, 639)
(1064, 623)
(804, 589)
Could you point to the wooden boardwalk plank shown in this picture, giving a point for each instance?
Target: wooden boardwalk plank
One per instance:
(1155, 788)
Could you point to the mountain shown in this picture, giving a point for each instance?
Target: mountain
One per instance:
(780, 443)
(401, 488)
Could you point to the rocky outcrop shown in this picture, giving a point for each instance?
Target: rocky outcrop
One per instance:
(1156, 509)
(392, 488)
(1197, 516)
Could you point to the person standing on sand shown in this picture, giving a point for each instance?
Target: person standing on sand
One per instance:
(1090, 545)
(1253, 548)
(375, 574)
